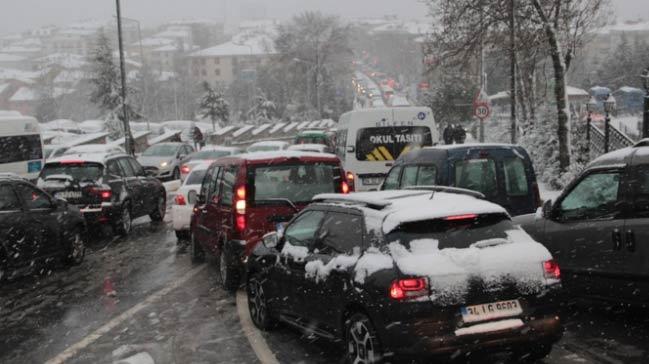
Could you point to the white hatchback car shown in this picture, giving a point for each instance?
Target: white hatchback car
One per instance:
(182, 208)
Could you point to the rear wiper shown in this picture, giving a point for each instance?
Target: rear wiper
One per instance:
(283, 200)
(490, 243)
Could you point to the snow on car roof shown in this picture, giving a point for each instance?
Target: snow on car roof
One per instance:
(211, 147)
(473, 145)
(319, 148)
(270, 143)
(402, 206)
(84, 157)
(283, 154)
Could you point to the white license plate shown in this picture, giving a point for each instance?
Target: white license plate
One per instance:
(68, 194)
(491, 311)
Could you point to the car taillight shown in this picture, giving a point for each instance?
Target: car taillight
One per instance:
(350, 177)
(345, 188)
(184, 169)
(240, 208)
(551, 269)
(104, 194)
(409, 288)
(180, 199)
(537, 195)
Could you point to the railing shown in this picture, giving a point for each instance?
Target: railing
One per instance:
(617, 140)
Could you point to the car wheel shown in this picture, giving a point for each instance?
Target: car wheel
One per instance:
(229, 274)
(197, 253)
(362, 342)
(76, 248)
(176, 174)
(160, 209)
(258, 305)
(125, 223)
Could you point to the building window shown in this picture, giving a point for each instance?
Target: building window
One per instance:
(217, 60)
(217, 72)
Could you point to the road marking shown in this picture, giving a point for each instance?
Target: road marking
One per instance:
(73, 350)
(256, 340)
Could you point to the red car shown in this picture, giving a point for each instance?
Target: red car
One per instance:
(246, 196)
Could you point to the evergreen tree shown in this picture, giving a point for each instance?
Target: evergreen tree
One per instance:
(104, 76)
(214, 106)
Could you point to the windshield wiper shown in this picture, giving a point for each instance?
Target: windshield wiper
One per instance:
(286, 201)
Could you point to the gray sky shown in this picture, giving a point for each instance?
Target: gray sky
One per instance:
(20, 15)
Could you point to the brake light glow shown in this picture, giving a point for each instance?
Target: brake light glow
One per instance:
(345, 188)
(72, 162)
(180, 199)
(409, 288)
(350, 176)
(551, 269)
(461, 217)
(184, 169)
(240, 208)
(104, 194)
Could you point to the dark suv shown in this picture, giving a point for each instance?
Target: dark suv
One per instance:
(408, 273)
(503, 173)
(598, 228)
(34, 226)
(244, 197)
(107, 188)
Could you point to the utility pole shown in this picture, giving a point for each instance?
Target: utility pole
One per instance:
(128, 137)
(645, 118)
(512, 89)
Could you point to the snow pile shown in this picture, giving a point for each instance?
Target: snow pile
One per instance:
(320, 271)
(371, 262)
(298, 253)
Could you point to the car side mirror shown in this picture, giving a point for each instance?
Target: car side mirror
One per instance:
(271, 240)
(547, 209)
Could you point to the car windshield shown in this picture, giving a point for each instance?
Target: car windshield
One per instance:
(161, 150)
(209, 154)
(295, 182)
(458, 234)
(78, 171)
(311, 139)
(196, 177)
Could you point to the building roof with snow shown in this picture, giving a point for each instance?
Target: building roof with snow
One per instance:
(258, 46)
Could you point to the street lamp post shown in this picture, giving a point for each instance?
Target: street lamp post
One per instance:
(609, 106)
(645, 119)
(591, 106)
(128, 137)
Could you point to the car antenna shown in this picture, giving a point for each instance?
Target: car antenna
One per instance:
(432, 195)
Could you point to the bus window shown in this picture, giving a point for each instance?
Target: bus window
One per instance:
(388, 143)
(20, 148)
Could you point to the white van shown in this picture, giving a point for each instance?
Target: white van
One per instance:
(21, 147)
(369, 140)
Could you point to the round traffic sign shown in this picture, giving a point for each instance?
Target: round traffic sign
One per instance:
(481, 110)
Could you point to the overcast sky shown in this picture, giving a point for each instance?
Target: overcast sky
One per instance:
(20, 15)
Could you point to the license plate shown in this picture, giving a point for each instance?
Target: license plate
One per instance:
(68, 194)
(491, 311)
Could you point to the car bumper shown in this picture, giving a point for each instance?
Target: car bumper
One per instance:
(99, 214)
(181, 217)
(411, 340)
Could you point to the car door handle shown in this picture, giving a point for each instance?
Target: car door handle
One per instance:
(630, 240)
(617, 239)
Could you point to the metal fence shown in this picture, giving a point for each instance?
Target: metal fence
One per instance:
(617, 140)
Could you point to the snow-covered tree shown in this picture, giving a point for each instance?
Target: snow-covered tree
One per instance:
(104, 76)
(214, 106)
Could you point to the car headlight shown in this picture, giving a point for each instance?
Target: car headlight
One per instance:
(164, 164)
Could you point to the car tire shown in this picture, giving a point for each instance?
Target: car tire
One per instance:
(124, 224)
(361, 341)
(228, 273)
(196, 251)
(258, 307)
(159, 210)
(76, 249)
(176, 174)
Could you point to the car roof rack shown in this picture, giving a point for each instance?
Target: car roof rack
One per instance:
(447, 189)
(375, 204)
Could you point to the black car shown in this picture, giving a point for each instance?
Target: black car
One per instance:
(598, 228)
(34, 227)
(108, 188)
(408, 274)
(503, 173)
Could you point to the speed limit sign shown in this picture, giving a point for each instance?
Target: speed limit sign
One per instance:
(481, 110)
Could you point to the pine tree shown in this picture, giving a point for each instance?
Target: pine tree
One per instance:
(104, 76)
(214, 106)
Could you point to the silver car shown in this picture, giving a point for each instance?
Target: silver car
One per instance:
(166, 157)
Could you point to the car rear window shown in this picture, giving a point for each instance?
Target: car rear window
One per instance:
(458, 234)
(311, 139)
(477, 175)
(78, 171)
(515, 177)
(196, 177)
(295, 182)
